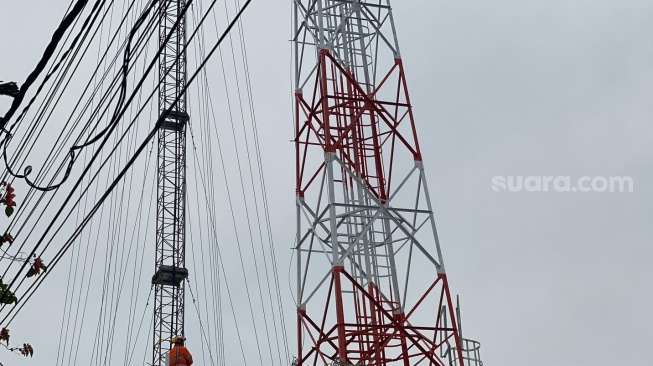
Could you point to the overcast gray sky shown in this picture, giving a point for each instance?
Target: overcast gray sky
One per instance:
(499, 88)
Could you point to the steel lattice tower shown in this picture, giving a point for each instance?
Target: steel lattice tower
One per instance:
(371, 283)
(170, 274)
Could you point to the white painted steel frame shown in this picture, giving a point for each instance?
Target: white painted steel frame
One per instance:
(341, 220)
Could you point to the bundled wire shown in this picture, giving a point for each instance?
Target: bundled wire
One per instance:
(116, 95)
(114, 119)
(47, 54)
(35, 285)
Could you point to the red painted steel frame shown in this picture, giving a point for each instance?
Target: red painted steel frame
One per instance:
(362, 343)
(365, 131)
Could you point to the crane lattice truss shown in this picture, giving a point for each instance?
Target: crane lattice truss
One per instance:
(170, 272)
(371, 282)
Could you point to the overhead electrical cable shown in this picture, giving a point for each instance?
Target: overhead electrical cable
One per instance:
(259, 224)
(110, 127)
(49, 50)
(74, 22)
(10, 316)
(151, 65)
(86, 28)
(33, 227)
(123, 44)
(37, 121)
(87, 168)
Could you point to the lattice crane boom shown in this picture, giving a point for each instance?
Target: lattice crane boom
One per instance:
(170, 270)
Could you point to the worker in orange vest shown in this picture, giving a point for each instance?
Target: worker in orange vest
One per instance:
(179, 355)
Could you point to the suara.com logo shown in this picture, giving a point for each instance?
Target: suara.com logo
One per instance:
(562, 183)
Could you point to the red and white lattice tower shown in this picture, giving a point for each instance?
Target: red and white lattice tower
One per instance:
(371, 282)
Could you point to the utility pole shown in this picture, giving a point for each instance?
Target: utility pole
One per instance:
(371, 283)
(170, 270)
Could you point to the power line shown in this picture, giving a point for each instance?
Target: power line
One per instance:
(12, 313)
(49, 50)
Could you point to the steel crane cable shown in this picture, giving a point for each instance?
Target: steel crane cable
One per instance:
(110, 324)
(76, 352)
(263, 189)
(135, 288)
(244, 200)
(215, 286)
(218, 257)
(240, 255)
(65, 320)
(83, 276)
(203, 332)
(66, 329)
(245, 205)
(113, 288)
(11, 315)
(29, 194)
(75, 323)
(205, 184)
(216, 247)
(138, 332)
(107, 259)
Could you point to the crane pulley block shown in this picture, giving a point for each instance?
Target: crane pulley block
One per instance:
(175, 120)
(169, 276)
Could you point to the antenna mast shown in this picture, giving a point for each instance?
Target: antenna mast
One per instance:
(170, 270)
(371, 282)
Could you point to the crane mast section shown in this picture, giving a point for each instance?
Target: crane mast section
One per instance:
(170, 271)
